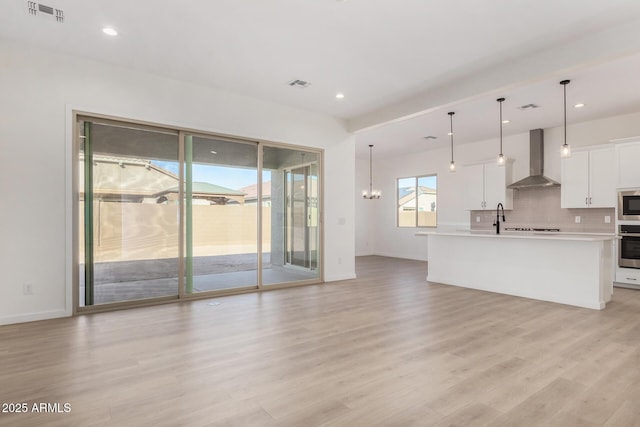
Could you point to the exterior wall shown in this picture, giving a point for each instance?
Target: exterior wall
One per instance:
(425, 219)
(137, 231)
(40, 89)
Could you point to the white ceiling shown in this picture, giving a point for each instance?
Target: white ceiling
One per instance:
(607, 89)
(392, 59)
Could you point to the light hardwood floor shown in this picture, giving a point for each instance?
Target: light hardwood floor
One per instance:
(385, 349)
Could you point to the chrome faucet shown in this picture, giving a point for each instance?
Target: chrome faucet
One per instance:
(496, 224)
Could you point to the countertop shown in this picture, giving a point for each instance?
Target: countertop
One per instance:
(539, 235)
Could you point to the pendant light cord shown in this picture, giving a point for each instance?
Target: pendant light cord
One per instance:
(564, 86)
(500, 100)
(451, 128)
(370, 170)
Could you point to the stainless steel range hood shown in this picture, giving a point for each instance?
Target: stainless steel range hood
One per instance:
(536, 179)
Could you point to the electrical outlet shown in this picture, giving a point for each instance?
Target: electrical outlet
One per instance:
(27, 289)
(478, 218)
(578, 219)
(607, 219)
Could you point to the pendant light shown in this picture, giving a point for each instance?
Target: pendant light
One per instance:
(371, 194)
(452, 165)
(501, 159)
(565, 151)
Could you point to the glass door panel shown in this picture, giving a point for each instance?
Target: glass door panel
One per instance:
(298, 239)
(129, 236)
(290, 216)
(313, 231)
(221, 214)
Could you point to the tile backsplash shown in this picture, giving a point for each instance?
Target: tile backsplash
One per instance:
(540, 208)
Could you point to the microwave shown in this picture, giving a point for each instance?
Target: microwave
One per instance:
(629, 205)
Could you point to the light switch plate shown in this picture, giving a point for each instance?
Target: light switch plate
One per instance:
(577, 219)
(607, 219)
(478, 218)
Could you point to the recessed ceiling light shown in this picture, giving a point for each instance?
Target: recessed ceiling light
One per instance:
(506, 121)
(213, 152)
(449, 133)
(340, 95)
(580, 105)
(110, 31)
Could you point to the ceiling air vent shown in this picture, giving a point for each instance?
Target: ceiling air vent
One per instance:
(430, 137)
(42, 10)
(299, 83)
(528, 106)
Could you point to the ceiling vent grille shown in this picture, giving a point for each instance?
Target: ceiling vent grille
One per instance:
(299, 83)
(42, 10)
(528, 106)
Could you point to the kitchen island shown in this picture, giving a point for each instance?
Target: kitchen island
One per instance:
(564, 268)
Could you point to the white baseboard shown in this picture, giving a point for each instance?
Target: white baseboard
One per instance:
(403, 256)
(339, 277)
(367, 253)
(32, 317)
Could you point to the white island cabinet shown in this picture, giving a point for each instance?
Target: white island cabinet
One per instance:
(569, 269)
(485, 185)
(588, 180)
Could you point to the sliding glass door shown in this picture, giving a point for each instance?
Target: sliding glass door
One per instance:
(166, 214)
(129, 231)
(293, 223)
(221, 233)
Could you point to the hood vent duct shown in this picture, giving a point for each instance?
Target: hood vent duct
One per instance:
(536, 179)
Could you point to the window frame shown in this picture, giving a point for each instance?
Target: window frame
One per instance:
(416, 179)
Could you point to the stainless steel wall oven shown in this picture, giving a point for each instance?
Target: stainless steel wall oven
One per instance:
(629, 246)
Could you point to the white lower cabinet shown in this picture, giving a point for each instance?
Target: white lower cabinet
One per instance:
(629, 276)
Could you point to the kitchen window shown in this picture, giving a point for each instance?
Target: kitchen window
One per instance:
(417, 201)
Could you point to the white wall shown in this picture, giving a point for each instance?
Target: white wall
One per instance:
(389, 240)
(364, 208)
(392, 241)
(39, 89)
(339, 226)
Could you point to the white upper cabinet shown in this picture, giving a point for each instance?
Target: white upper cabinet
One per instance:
(574, 185)
(628, 159)
(495, 185)
(602, 179)
(486, 186)
(474, 187)
(588, 180)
